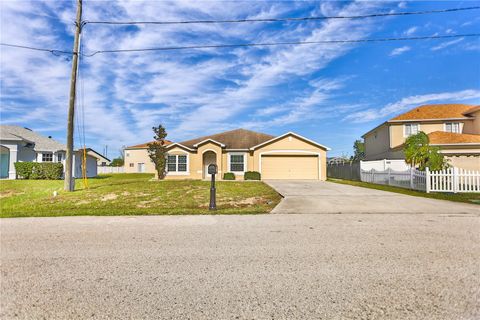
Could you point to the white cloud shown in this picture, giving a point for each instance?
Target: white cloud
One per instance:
(191, 92)
(413, 101)
(410, 31)
(446, 44)
(402, 4)
(399, 51)
(313, 105)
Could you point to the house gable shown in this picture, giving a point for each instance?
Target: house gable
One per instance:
(288, 140)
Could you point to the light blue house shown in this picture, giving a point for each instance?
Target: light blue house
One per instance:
(19, 144)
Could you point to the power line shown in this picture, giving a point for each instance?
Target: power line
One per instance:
(249, 44)
(53, 51)
(280, 43)
(373, 15)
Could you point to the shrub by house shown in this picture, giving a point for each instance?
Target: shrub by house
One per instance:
(39, 170)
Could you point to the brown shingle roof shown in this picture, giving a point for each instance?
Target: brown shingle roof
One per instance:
(435, 111)
(441, 137)
(234, 139)
(145, 145)
(472, 110)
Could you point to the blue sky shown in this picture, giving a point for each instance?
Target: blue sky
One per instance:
(329, 93)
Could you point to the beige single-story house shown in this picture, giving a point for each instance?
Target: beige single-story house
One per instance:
(454, 128)
(288, 156)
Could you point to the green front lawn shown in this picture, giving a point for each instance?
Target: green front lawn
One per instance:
(458, 197)
(132, 194)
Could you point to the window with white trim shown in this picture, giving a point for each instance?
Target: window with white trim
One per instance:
(47, 157)
(453, 127)
(237, 162)
(410, 129)
(59, 157)
(176, 163)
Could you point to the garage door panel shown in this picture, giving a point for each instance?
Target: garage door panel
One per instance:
(289, 167)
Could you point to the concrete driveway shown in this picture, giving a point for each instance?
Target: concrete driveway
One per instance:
(273, 266)
(307, 196)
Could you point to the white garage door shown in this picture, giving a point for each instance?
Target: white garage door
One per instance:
(289, 167)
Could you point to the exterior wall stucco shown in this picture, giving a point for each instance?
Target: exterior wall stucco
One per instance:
(473, 127)
(397, 130)
(391, 136)
(191, 165)
(135, 156)
(213, 147)
(291, 145)
(195, 161)
(465, 162)
(377, 143)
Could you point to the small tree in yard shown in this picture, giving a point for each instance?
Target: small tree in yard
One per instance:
(117, 162)
(157, 150)
(359, 150)
(419, 153)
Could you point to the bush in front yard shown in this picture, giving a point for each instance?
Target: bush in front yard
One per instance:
(39, 170)
(24, 169)
(228, 176)
(252, 175)
(49, 170)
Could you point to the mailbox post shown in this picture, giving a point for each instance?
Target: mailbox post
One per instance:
(212, 170)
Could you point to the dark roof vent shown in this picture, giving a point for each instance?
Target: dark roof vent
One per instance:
(49, 137)
(27, 128)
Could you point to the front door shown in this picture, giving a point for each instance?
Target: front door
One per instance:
(209, 158)
(4, 162)
(141, 168)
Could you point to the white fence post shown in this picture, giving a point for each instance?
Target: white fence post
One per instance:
(455, 180)
(427, 179)
(411, 178)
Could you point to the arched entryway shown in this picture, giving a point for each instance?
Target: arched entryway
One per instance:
(4, 162)
(209, 157)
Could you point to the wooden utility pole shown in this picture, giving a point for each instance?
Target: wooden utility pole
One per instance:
(69, 183)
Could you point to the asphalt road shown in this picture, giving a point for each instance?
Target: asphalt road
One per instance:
(313, 196)
(390, 266)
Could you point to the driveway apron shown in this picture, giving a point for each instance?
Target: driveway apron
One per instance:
(307, 196)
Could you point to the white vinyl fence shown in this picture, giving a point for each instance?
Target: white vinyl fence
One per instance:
(385, 164)
(448, 180)
(351, 170)
(107, 170)
(453, 180)
(410, 179)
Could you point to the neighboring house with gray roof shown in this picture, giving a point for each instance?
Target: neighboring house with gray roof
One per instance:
(19, 144)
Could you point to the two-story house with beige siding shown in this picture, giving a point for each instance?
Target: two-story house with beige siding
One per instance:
(136, 159)
(455, 128)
